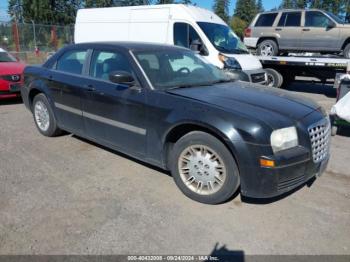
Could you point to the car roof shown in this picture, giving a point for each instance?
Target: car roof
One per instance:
(290, 10)
(133, 46)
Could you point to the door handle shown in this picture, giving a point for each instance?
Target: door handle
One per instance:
(278, 29)
(90, 88)
(306, 29)
(50, 78)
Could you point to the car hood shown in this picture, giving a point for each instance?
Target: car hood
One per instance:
(347, 26)
(251, 99)
(8, 68)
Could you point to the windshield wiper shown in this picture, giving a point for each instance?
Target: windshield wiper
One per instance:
(222, 81)
(202, 84)
(192, 85)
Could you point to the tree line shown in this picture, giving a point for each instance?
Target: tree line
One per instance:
(63, 12)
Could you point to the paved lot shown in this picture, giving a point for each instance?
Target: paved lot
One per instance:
(68, 196)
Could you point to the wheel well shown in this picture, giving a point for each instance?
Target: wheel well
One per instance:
(32, 93)
(266, 38)
(347, 41)
(179, 131)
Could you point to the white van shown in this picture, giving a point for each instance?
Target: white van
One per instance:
(174, 24)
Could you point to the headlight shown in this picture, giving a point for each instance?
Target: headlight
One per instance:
(284, 138)
(229, 62)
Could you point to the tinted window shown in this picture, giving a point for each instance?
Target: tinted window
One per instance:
(266, 19)
(316, 19)
(72, 61)
(105, 62)
(282, 20)
(184, 34)
(293, 19)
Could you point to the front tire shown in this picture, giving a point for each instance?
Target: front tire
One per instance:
(43, 117)
(274, 78)
(203, 168)
(346, 51)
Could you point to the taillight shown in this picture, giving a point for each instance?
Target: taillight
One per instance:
(247, 32)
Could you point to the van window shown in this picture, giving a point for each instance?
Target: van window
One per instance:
(266, 19)
(290, 19)
(316, 19)
(223, 38)
(105, 62)
(72, 61)
(184, 34)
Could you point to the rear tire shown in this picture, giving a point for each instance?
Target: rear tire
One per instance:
(268, 48)
(346, 51)
(274, 78)
(203, 168)
(44, 118)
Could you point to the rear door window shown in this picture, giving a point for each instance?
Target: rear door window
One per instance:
(266, 19)
(282, 20)
(293, 19)
(72, 61)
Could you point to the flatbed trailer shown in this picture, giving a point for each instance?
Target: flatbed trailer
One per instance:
(283, 69)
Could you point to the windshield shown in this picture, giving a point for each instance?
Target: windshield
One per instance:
(6, 57)
(177, 68)
(223, 38)
(336, 18)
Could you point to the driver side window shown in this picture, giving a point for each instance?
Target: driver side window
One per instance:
(316, 19)
(184, 35)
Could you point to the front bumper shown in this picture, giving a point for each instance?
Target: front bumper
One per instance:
(10, 89)
(293, 167)
(254, 76)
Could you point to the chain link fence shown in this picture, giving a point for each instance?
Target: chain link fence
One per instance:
(33, 43)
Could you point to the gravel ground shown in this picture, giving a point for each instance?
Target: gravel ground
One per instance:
(66, 195)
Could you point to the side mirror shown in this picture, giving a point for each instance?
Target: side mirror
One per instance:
(122, 78)
(199, 47)
(331, 25)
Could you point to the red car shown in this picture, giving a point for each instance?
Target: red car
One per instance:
(11, 75)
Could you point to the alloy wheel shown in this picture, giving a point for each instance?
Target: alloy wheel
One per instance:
(202, 169)
(266, 49)
(42, 116)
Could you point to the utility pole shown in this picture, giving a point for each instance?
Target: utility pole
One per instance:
(34, 35)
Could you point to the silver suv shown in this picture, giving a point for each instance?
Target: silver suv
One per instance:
(277, 32)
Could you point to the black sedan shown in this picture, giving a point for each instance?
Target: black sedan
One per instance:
(168, 107)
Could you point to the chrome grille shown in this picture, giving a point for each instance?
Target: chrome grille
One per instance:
(320, 139)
